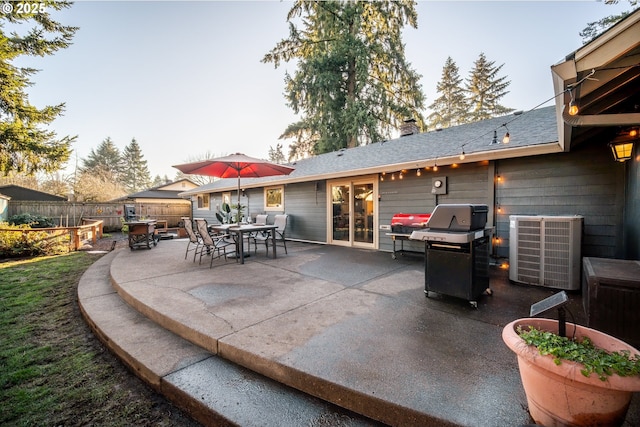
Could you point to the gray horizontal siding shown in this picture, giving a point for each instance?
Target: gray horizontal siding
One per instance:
(306, 203)
(465, 184)
(584, 182)
(632, 208)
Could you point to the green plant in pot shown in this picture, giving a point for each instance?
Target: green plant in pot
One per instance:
(585, 379)
(224, 214)
(230, 214)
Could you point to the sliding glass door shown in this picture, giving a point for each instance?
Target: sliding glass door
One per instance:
(352, 212)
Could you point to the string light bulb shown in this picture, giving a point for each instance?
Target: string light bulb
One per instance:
(393, 177)
(418, 173)
(633, 133)
(400, 175)
(435, 167)
(495, 137)
(462, 156)
(573, 106)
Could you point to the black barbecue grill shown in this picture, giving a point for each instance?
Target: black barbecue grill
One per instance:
(457, 251)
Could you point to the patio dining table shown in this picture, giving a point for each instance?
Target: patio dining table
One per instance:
(238, 231)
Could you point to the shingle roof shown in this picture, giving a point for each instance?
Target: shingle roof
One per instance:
(156, 192)
(529, 129)
(17, 192)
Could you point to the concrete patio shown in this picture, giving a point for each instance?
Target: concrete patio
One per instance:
(290, 341)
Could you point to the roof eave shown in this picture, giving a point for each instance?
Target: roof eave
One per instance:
(529, 150)
(609, 47)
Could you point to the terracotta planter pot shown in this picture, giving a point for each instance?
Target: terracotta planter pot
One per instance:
(559, 395)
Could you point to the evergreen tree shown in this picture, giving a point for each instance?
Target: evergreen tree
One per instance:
(105, 161)
(451, 107)
(25, 146)
(135, 172)
(592, 29)
(485, 89)
(353, 84)
(158, 181)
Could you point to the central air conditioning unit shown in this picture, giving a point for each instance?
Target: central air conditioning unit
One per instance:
(545, 250)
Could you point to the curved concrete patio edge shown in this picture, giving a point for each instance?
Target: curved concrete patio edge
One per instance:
(329, 391)
(107, 314)
(351, 399)
(184, 372)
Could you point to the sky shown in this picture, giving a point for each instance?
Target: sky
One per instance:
(186, 78)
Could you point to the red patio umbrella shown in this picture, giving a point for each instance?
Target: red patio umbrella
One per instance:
(235, 165)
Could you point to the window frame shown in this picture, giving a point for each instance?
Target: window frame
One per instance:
(204, 202)
(274, 207)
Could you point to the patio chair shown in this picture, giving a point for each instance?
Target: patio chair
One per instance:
(194, 239)
(261, 219)
(214, 244)
(281, 222)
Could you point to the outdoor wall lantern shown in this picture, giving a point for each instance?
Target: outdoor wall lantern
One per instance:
(622, 146)
(621, 150)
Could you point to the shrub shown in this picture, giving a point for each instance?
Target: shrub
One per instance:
(35, 221)
(583, 351)
(18, 241)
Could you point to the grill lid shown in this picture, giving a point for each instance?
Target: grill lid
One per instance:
(411, 220)
(406, 223)
(459, 217)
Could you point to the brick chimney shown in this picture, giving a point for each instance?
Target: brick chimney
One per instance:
(409, 127)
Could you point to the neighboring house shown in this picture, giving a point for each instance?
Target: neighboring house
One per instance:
(165, 193)
(18, 193)
(554, 164)
(161, 202)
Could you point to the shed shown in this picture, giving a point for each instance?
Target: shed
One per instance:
(18, 193)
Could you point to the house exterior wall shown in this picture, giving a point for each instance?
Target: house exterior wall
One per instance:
(306, 203)
(632, 206)
(465, 184)
(584, 182)
(181, 185)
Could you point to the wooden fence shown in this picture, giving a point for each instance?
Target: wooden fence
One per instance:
(88, 230)
(70, 214)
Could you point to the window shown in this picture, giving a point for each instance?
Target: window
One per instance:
(274, 199)
(203, 201)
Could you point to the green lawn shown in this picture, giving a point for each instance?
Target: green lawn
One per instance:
(53, 370)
